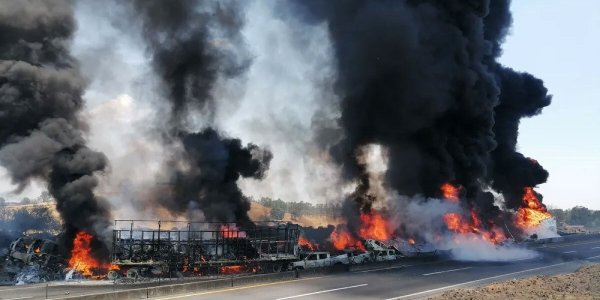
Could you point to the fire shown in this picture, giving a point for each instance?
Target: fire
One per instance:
(373, 226)
(231, 231)
(457, 223)
(532, 213)
(82, 260)
(237, 269)
(342, 239)
(411, 241)
(231, 269)
(37, 250)
(306, 243)
(450, 192)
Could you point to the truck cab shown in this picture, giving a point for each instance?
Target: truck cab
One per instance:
(313, 260)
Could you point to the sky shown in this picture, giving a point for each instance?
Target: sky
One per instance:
(555, 40)
(558, 42)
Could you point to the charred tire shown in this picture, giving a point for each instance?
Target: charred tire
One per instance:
(113, 275)
(133, 273)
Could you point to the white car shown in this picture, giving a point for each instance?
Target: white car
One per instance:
(385, 255)
(313, 260)
(352, 257)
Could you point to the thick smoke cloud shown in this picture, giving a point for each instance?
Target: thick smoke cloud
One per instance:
(420, 78)
(194, 44)
(41, 135)
(207, 181)
(522, 95)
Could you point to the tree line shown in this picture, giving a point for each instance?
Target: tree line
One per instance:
(296, 209)
(577, 215)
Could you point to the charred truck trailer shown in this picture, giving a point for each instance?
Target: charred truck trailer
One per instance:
(179, 248)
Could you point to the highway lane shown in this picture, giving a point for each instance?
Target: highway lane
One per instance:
(417, 279)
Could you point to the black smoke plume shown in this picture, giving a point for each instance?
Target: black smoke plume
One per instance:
(208, 179)
(41, 133)
(420, 78)
(193, 44)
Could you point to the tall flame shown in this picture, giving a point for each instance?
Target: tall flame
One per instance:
(532, 213)
(81, 259)
(450, 192)
(372, 226)
(342, 239)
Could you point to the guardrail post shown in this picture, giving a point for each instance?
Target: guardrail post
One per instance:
(46, 291)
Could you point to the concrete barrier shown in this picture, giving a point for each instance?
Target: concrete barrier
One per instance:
(125, 294)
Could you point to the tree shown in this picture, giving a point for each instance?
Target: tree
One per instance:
(278, 209)
(45, 197)
(559, 214)
(580, 215)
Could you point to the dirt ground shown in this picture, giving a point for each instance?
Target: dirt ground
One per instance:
(583, 284)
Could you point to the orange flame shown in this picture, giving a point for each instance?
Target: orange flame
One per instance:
(231, 231)
(411, 241)
(303, 242)
(81, 257)
(342, 239)
(37, 250)
(231, 269)
(373, 226)
(532, 213)
(457, 223)
(450, 192)
(237, 269)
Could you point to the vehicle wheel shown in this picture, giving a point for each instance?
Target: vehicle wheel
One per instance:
(133, 273)
(276, 268)
(113, 275)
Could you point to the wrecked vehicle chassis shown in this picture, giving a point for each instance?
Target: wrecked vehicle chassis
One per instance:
(201, 248)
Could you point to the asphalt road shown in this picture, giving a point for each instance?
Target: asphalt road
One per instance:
(412, 281)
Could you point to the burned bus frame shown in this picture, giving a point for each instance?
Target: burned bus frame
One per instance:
(203, 247)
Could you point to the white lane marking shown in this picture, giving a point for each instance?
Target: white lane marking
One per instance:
(20, 298)
(595, 247)
(570, 251)
(382, 269)
(473, 281)
(325, 291)
(592, 257)
(446, 271)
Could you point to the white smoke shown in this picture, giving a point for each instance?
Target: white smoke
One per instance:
(472, 248)
(288, 95)
(424, 217)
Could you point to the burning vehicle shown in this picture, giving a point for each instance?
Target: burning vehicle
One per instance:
(202, 248)
(33, 260)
